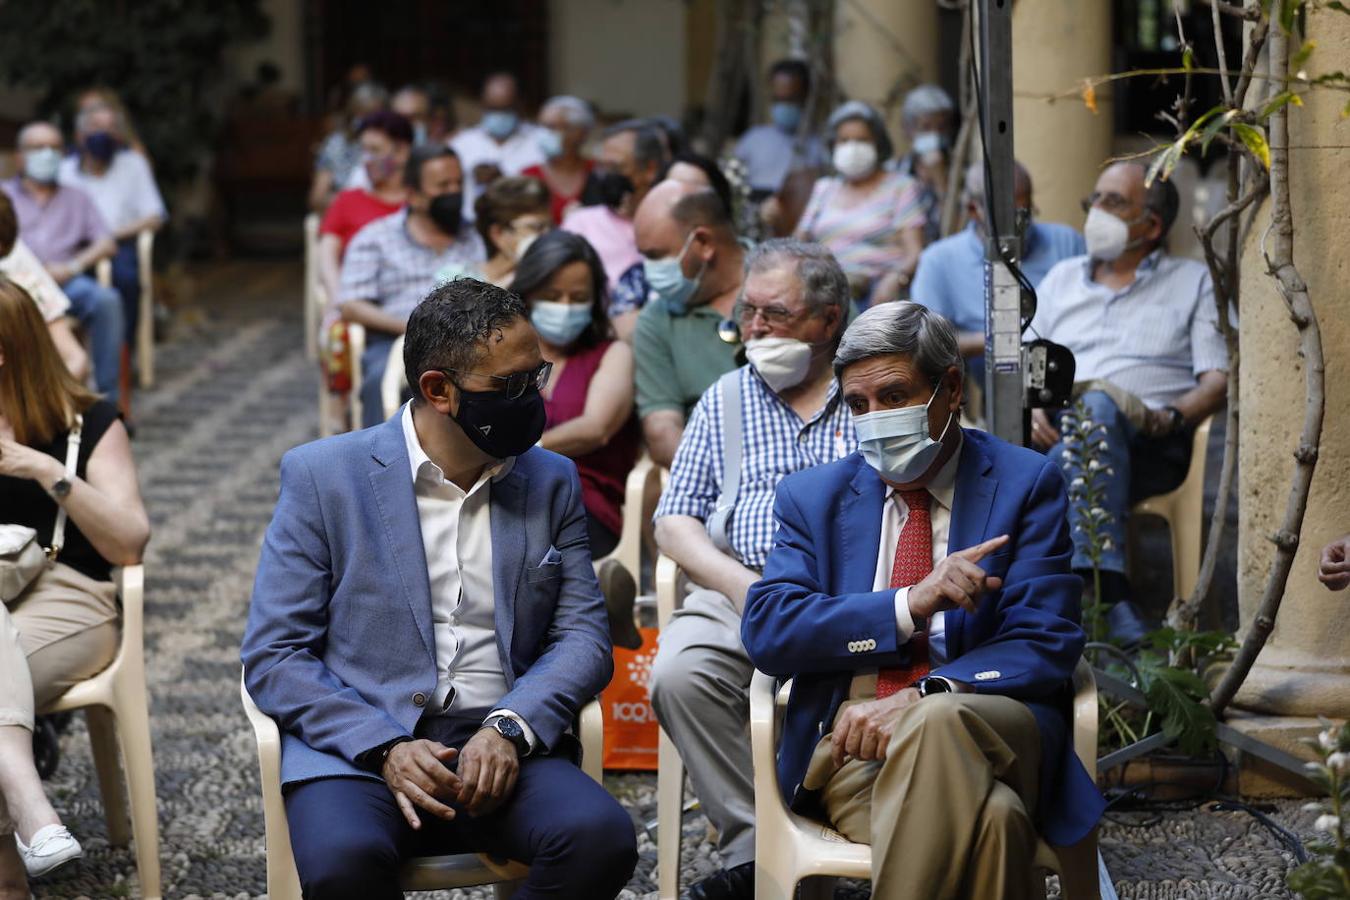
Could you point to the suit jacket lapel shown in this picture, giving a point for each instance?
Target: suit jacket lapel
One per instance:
(391, 481)
(508, 557)
(860, 528)
(971, 503)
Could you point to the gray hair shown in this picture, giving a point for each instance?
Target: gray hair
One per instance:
(576, 111)
(974, 181)
(904, 328)
(925, 99)
(856, 109)
(823, 282)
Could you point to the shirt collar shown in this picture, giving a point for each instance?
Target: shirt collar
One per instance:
(422, 468)
(943, 486)
(1147, 266)
(831, 395)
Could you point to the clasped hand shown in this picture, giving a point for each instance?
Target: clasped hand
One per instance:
(418, 776)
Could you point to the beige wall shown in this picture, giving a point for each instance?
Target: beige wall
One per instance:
(882, 48)
(1305, 668)
(623, 55)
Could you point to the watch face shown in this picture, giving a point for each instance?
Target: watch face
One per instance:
(508, 728)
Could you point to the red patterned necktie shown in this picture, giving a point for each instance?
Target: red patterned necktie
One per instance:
(913, 563)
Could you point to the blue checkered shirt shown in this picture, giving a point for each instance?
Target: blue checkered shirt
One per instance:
(775, 443)
(384, 265)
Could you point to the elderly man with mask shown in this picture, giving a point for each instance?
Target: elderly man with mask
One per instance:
(950, 277)
(392, 263)
(1151, 362)
(502, 143)
(693, 264)
(919, 595)
(780, 414)
(64, 229)
(772, 150)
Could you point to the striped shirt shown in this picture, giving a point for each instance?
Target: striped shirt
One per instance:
(864, 237)
(386, 266)
(1151, 338)
(775, 443)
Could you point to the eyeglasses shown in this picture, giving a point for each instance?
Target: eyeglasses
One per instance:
(516, 383)
(745, 313)
(1107, 200)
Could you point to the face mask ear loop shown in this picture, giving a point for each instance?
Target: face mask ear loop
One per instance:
(950, 415)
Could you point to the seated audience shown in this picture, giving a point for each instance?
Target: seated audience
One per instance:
(773, 150)
(509, 216)
(792, 312)
(870, 219)
(950, 277)
(1151, 363)
(928, 118)
(565, 124)
(392, 263)
(21, 266)
(502, 143)
(1333, 569)
(340, 153)
(385, 139)
(98, 97)
(459, 614)
(919, 595)
(413, 103)
(589, 399)
(119, 181)
(62, 627)
(694, 267)
(63, 227)
(632, 154)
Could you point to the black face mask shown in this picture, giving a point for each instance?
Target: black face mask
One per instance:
(101, 146)
(606, 189)
(498, 425)
(446, 211)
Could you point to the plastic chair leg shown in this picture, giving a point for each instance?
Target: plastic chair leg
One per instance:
(133, 731)
(669, 817)
(103, 743)
(1078, 870)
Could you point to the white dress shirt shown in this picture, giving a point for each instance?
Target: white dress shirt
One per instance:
(457, 538)
(474, 146)
(126, 192)
(894, 514)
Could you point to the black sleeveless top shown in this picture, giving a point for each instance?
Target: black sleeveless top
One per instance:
(25, 502)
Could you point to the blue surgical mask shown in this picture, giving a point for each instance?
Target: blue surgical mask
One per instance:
(559, 323)
(550, 143)
(499, 123)
(786, 116)
(896, 442)
(668, 283)
(42, 164)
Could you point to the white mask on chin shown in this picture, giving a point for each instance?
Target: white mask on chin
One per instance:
(782, 362)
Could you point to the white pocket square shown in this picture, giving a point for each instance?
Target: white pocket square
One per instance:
(552, 557)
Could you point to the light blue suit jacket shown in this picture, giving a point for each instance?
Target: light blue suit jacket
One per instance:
(339, 644)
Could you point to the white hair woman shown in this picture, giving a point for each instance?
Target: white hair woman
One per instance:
(567, 122)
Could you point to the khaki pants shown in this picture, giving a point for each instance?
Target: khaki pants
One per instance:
(60, 631)
(948, 812)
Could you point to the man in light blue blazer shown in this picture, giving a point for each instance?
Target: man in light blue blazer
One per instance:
(919, 594)
(426, 625)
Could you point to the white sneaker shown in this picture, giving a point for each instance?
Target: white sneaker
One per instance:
(53, 846)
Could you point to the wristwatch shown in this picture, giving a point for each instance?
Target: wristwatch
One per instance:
(1178, 418)
(510, 729)
(932, 684)
(61, 489)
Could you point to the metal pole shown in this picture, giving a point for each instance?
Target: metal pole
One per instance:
(1005, 408)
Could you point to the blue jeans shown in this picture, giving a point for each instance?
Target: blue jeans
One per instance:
(126, 278)
(349, 836)
(99, 311)
(1143, 467)
(373, 363)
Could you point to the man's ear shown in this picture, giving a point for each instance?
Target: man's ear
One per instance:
(439, 392)
(956, 387)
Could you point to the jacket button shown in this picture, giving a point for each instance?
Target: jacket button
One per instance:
(419, 699)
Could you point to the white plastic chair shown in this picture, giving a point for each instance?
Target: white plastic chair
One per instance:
(1184, 511)
(670, 590)
(144, 342)
(116, 708)
(790, 847)
(425, 873)
(628, 552)
(313, 306)
(395, 379)
(356, 346)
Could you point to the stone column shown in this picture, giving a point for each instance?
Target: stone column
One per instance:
(882, 48)
(1056, 44)
(1304, 669)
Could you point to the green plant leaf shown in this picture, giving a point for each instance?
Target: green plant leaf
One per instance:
(1255, 140)
(1288, 12)
(1188, 58)
(1213, 127)
(1176, 695)
(1338, 6)
(1301, 55)
(1279, 100)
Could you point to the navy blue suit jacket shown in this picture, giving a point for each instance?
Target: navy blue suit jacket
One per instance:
(814, 609)
(339, 641)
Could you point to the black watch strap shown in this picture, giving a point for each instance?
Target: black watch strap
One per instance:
(373, 759)
(510, 729)
(1178, 418)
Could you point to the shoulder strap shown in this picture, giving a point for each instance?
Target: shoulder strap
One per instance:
(729, 385)
(72, 463)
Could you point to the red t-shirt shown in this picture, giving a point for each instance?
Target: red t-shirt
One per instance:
(352, 210)
(558, 203)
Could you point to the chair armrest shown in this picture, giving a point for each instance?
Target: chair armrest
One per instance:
(265, 730)
(1085, 716)
(103, 272)
(764, 746)
(394, 378)
(130, 582)
(145, 250)
(667, 589)
(591, 728)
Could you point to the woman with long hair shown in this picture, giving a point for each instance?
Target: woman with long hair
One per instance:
(62, 628)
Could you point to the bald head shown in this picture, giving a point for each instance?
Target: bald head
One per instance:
(671, 210)
(1021, 184)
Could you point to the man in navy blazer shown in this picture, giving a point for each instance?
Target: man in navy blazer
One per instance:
(919, 594)
(426, 625)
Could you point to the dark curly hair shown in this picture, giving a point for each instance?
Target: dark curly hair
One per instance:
(450, 328)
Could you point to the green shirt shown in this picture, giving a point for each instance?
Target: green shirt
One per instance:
(678, 357)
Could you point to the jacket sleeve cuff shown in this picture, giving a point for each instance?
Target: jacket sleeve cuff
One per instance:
(904, 619)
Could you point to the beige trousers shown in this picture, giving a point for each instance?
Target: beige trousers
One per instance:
(948, 812)
(60, 631)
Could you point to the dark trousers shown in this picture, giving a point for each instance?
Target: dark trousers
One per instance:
(126, 278)
(349, 836)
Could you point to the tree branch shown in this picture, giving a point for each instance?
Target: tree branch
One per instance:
(1294, 291)
(1236, 10)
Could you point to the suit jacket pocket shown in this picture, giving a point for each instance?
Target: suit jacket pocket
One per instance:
(543, 574)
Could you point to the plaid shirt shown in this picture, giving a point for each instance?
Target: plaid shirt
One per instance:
(384, 265)
(775, 443)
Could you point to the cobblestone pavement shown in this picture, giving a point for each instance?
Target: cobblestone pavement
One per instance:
(234, 393)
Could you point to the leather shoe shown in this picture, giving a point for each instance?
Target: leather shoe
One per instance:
(620, 592)
(737, 883)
